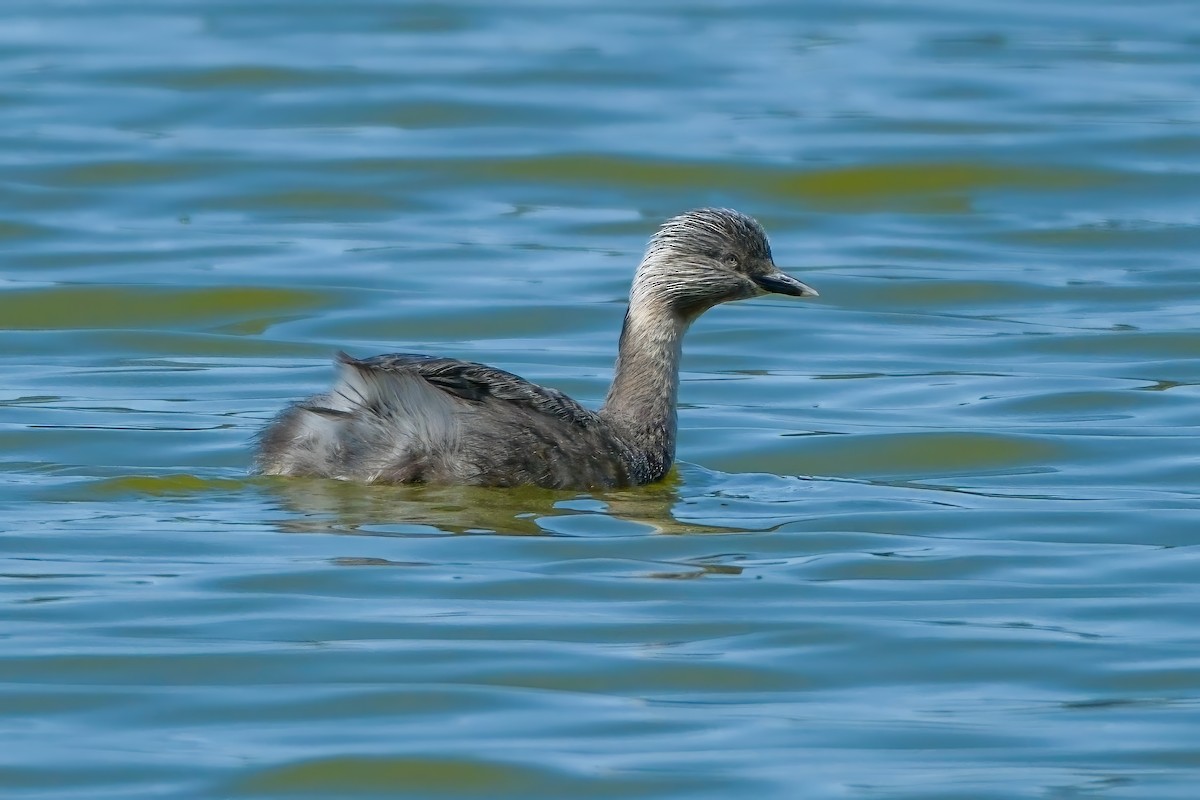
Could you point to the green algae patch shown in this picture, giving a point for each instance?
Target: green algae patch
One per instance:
(133, 307)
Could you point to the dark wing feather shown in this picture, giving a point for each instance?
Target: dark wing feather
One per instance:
(478, 382)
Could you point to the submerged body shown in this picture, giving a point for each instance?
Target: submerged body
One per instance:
(404, 418)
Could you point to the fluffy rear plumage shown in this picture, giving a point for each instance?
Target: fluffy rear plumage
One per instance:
(373, 425)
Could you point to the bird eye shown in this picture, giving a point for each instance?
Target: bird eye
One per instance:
(730, 260)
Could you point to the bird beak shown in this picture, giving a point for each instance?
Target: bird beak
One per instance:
(782, 283)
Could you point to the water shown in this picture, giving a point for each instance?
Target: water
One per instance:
(933, 535)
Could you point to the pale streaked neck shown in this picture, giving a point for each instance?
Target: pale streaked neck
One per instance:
(641, 402)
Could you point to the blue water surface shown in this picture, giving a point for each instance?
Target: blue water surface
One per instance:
(931, 536)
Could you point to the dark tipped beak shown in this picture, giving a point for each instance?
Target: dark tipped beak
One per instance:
(782, 283)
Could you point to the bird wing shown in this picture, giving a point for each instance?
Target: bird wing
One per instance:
(474, 382)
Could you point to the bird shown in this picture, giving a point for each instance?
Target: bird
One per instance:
(408, 418)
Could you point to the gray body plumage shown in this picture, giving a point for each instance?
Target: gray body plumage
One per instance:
(404, 418)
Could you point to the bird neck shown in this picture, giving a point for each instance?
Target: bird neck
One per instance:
(642, 399)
